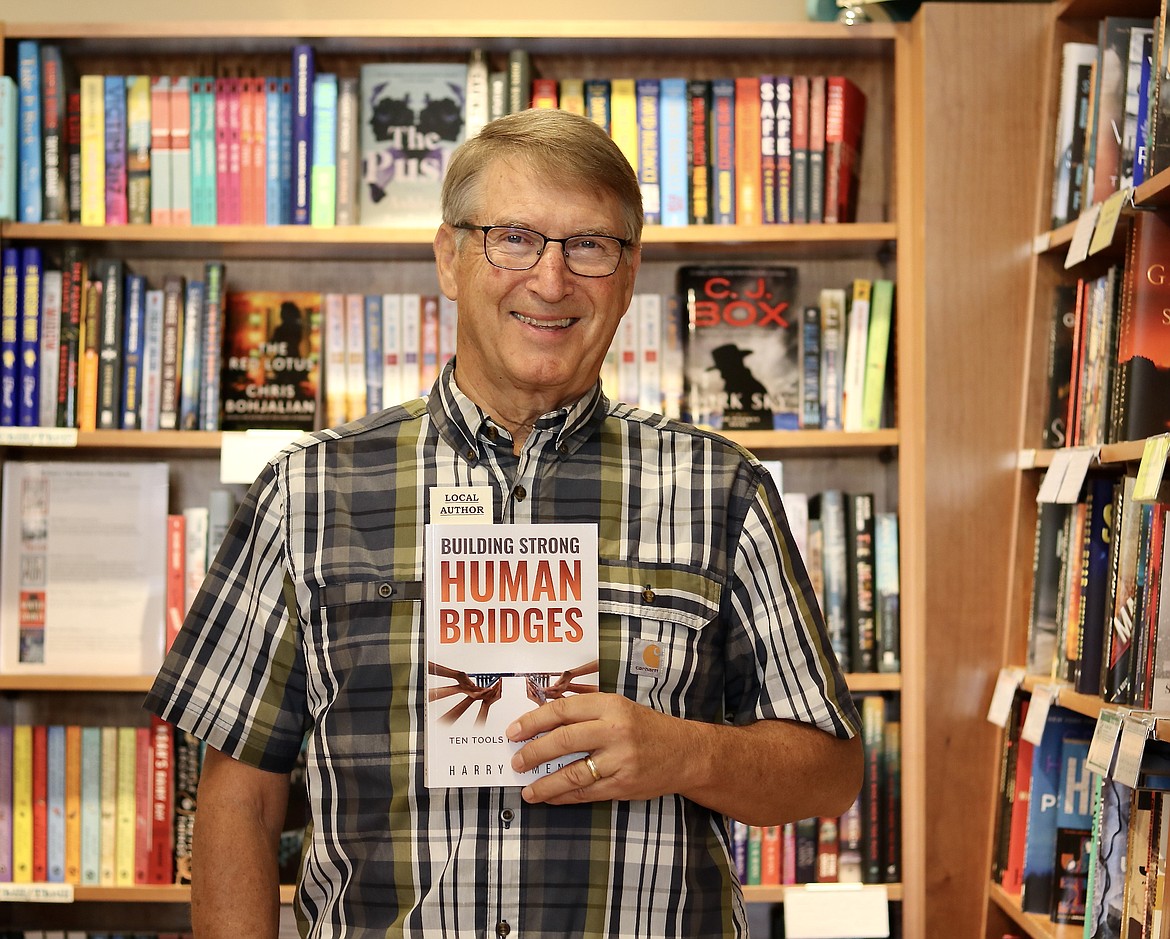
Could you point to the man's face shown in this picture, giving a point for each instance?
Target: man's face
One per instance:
(540, 335)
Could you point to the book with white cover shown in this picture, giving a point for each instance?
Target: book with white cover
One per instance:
(511, 622)
(83, 568)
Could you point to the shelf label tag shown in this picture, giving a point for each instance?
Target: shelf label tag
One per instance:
(1151, 469)
(1043, 697)
(1130, 750)
(1078, 247)
(1106, 226)
(243, 454)
(1053, 477)
(836, 911)
(1104, 743)
(1006, 684)
(1075, 472)
(36, 893)
(38, 436)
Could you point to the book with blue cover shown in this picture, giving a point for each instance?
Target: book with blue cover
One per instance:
(28, 403)
(28, 76)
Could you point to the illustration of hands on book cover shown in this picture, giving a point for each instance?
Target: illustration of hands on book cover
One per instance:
(511, 622)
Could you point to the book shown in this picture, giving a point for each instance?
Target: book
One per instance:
(10, 296)
(271, 364)
(1141, 405)
(768, 106)
(519, 80)
(125, 819)
(741, 346)
(877, 348)
(871, 798)
(161, 211)
(832, 307)
(856, 353)
(477, 106)
(348, 157)
(1131, 158)
(303, 74)
(844, 132)
(674, 150)
(188, 761)
(55, 206)
(50, 350)
(190, 375)
(211, 360)
(132, 352)
(810, 371)
(828, 509)
(411, 122)
(748, 151)
(161, 803)
(699, 151)
(204, 177)
(647, 93)
(597, 102)
(623, 118)
(40, 803)
(817, 93)
(30, 184)
(887, 592)
(73, 532)
(1048, 555)
(28, 403)
(1094, 583)
(783, 149)
(859, 564)
(800, 157)
(723, 182)
(110, 273)
(1015, 789)
(510, 622)
(114, 111)
(152, 341)
(9, 154)
(1073, 831)
(138, 133)
(91, 807)
(72, 834)
(22, 803)
(323, 183)
(355, 350)
(1075, 56)
(74, 276)
(93, 150)
(180, 118)
(1104, 149)
(174, 293)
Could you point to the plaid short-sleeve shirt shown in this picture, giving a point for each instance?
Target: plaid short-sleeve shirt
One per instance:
(310, 620)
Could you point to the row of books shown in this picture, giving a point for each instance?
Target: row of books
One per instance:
(1114, 103)
(851, 552)
(327, 149)
(1108, 367)
(94, 345)
(1100, 608)
(1078, 848)
(860, 846)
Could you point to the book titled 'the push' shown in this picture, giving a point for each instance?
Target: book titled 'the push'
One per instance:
(511, 622)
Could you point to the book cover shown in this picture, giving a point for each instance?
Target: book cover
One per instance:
(723, 181)
(40, 804)
(50, 351)
(9, 152)
(1074, 821)
(323, 182)
(162, 803)
(93, 150)
(272, 356)
(856, 352)
(303, 73)
(22, 803)
(800, 160)
(1143, 341)
(877, 353)
(117, 212)
(82, 558)
(212, 351)
(1048, 556)
(188, 762)
(138, 132)
(783, 149)
(623, 118)
(28, 401)
(844, 132)
(71, 138)
(91, 805)
(374, 359)
(30, 184)
(748, 151)
(412, 118)
(10, 296)
(110, 273)
(699, 151)
(161, 212)
(1108, 856)
(55, 207)
(511, 622)
(810, 368)
(1020, 781)
(55, 803)
(816, 147)
(1104, 150)
(647, 94)
(742, 346)
(1074, 57)
(833, 349)
(1116, 684)
(768, 108)
(1094, 586)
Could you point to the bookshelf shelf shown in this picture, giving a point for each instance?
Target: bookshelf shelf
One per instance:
(1035, 925)
(774, 894)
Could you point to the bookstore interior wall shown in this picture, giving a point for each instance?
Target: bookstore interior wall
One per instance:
(937, 444)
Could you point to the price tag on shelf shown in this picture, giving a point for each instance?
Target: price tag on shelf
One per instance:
(1130, 750)
(836, 911)
(1004, 694)
(1151, 469)
(1053, 477)
(1106, 226)
(1104, 743)
(1043, 697)
(38, 436)
(1078, 247)
(36, 893)
(1079, 459)
(243, 453)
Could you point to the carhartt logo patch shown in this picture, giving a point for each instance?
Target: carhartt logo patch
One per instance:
(645, 657)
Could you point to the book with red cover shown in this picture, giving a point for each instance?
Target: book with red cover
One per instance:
(748, 156)
(844, 129)
(143, 786)
(800, 148)
(817, 93)
(1141, 402)
(160, 865)
(40, 803)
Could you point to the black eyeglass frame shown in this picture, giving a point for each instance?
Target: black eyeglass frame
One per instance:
(623, 242)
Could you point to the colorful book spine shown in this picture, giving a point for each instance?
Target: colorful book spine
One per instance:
(181, 150)
(93, 150)
(881, 316)
(816, 148)
(6, 779)
(55, 205)
(213, 300)
(355, 355)
(323, 182)
(191, 367)
(143, 786)
(768, 202)
(110, 273)
(22, 804)
(162, 803)
(274, 213)
(9, 152)
(374, 356)
(107, 869)
(336, 374)
(91, 805)
(133, 343)
(74, 275)
(161, 212)
(152, 328)
(391, 349)
(51, 286)
(28, 404)
(748, 151)
(125, 812)
(783, 149)
(87, 377)
(348, 160)
(174, 292)
(10, 294)
(117, 212)
(647, 93)
(800, 148)
(55, 796)
(225, 183)
(723, 150)
(30, 184)
(673, 150)
(138, 133)
(699, 150)
(303, 74)
(73, 804)
(597, 102)
(623, 117)
(40, 803)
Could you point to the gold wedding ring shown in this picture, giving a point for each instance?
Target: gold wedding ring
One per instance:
(593, 768)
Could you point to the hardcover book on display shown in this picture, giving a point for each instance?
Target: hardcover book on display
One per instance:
(272, 355)
(412, 118)
(83, 568)
(511, 622)
(742, 346)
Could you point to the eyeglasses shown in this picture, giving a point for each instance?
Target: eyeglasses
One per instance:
(518, 249)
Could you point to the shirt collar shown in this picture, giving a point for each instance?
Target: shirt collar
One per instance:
(465, 424)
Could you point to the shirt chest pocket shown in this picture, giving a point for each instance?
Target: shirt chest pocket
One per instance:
(661, 637)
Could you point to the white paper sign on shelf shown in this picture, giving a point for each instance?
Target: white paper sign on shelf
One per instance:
(1151, 469)
(1104, 743)
(836, 911)
(1004, 694)
(1130, 750)
(1078, 247)
(243, 453)
(36, 893)
(1043, 697)
(1050, 485)
(38, 436)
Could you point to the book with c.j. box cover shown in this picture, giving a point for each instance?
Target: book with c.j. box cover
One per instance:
(742, 346)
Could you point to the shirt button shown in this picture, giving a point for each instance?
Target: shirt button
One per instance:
(385, 590)
(648, 594)
(506, 816)
(472, 457)
(502, 928)
(519, 492)
(492, 433)
(563, 449)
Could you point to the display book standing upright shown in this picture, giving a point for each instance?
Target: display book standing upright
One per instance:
(1089, 607)
(835, 258)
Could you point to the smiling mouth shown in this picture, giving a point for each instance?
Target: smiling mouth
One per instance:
(545, 324)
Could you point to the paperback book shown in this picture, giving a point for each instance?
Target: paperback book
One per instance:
(272, 355)
(412, 118)
(742, 346)
(511, 622)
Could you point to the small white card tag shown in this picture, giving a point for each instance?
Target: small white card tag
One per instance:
(1104, 744)
(836, 911)
(1130, 751)
(1006, 684)
(454, 505)
(1043, 697)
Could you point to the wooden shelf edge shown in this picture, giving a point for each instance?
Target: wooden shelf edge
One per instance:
(1110, 454)
(1089, 705)
(874, 681)
(148, 893)
(97, 683)
(1035, 925)
(756, 893)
